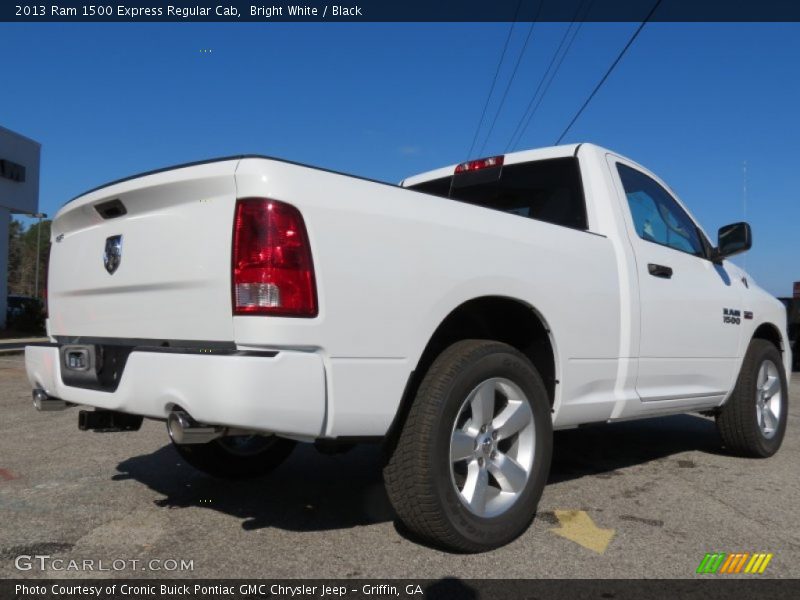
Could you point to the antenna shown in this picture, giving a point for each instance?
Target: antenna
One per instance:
(744, 190)
(744, 203)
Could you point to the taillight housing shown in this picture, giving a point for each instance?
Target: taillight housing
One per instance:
(272, 272)
(481, 163)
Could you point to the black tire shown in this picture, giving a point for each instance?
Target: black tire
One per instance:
(419, 480)
(239, 457)
(738, 421)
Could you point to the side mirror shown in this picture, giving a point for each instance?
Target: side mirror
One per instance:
(733, 239)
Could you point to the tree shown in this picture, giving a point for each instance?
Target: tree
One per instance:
(22, 258)
(15, 231)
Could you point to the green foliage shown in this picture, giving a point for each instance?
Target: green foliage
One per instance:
(22, 261)
(22, 258)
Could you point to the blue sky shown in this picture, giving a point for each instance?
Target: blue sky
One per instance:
(689, 101)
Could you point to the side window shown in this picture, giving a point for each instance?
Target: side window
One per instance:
(657, 217)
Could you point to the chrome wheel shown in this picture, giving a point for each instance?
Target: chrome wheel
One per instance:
(768, 398)
(492, 447)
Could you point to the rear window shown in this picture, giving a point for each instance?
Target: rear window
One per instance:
(545, 190)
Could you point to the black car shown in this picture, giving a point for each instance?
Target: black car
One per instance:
(16, 305)
(22, 310)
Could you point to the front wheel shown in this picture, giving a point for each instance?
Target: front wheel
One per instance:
(753, 420)
(474, 454)
(237, 457)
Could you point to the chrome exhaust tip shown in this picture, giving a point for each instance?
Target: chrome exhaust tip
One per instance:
(42, 402)
(183, 429)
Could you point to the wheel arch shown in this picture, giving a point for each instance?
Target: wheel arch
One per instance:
(499, 318)
(771, 333)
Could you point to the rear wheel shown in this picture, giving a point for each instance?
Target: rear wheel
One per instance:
(474, 454)
(237, 457)
(753, 421)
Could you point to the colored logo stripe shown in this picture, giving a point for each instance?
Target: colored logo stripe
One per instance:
(737, 562)
(711, 563)
(758, 563)
(734, 563)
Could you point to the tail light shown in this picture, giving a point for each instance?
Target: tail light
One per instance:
(481, 163)
(272, 269)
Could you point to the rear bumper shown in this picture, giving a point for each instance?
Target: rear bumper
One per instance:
(284, 393)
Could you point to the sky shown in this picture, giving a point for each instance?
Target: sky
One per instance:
(691, 102)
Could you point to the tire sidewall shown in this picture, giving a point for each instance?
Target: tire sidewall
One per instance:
(215, 459)
(769, 446)
(505, 527)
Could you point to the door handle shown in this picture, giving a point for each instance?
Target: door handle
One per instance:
(660, 271)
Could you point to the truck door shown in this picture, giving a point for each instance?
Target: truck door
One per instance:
(690, 307)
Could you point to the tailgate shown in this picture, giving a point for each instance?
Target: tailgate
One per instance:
(146, 258)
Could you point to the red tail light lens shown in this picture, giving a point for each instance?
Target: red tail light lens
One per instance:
(272, 269)
(482, 163)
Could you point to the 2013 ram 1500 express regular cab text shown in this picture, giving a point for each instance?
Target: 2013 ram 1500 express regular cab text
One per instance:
(462, 316)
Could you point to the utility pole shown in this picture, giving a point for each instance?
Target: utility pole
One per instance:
(40, 216)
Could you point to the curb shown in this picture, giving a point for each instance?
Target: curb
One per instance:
(11, 351)
(17, 346)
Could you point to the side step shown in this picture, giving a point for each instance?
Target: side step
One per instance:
(108, 421)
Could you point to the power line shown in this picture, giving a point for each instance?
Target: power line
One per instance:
(513, 75)
(529, 118)
(610, 69)
(542, 79)
(494, 79)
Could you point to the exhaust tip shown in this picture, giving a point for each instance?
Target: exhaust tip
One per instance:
(176, 422)
(183, 429)
(44, 403)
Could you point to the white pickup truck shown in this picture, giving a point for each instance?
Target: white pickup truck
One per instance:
(460, 317)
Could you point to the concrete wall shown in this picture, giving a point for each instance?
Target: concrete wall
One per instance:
(20, 196)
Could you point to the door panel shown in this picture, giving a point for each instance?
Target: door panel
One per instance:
(686, 349)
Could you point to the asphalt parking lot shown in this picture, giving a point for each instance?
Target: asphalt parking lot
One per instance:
(645, 499)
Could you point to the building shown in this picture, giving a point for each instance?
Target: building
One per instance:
(19, 193)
